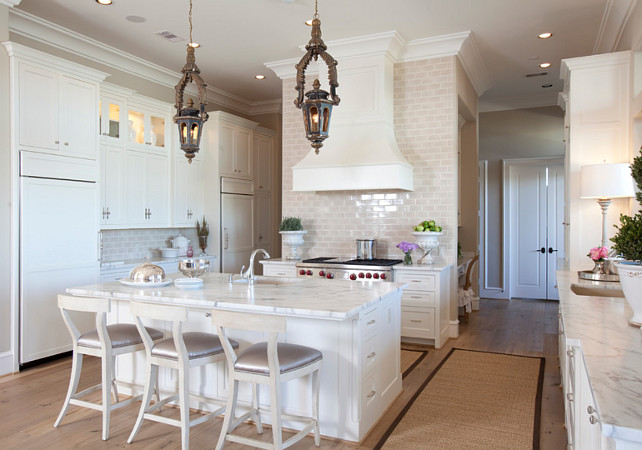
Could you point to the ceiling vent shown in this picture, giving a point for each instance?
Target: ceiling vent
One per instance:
(538, 74)
(169, 36)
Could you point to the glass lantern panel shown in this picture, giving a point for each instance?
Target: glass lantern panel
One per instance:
(158, 131)
(183, 133)
(194, 134)
(136, 127)
(314, 123)
(114, 120)
(326, 119)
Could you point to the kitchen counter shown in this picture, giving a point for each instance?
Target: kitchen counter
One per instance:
(129, 264)
(612, 351)
(356, 325)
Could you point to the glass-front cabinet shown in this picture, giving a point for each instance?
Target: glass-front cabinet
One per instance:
(111, 118)
(147, 128)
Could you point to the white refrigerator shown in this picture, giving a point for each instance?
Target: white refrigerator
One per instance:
(58, 249)
(237, 224)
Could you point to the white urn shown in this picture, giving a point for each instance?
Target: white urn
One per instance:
(293, 239)
(630, 274)
(427, 241)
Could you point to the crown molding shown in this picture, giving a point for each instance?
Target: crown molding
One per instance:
(614, 20)
(592, 62)
(518, 102)
(474, 66)
(10, 3)
(32, 27)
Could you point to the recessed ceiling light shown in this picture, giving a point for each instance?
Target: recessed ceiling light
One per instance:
(308, 22)
(545, 86)
(259, 77)
(135, 19)
(545, 65)
(544, 35)
(194, 44)
(104, 2)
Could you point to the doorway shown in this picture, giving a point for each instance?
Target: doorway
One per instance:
(533, 221)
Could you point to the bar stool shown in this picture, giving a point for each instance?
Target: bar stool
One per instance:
(181, 352)
(268, 363)
(106, 342)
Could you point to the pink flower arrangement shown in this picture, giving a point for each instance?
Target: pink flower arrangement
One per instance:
(407, 247)
(598, 253)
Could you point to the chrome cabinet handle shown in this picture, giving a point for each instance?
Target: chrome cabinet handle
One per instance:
(415, 320)
(569, 397)
(66, 143)
(371, 355)
(108, 212)
(590, 409)
(208, 314)
(227, 238)
(593, 419)
(371, 322)
(371, 394)
(570, 352)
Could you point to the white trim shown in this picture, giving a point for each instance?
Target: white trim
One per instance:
(10, 3)
(592, 62)
(518, 102)
(6, 363)
(614, 20)
(474, 66)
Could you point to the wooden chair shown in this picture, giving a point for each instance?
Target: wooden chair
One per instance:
(180, 352)
(468, 284)
(106, 342)
(268, 363)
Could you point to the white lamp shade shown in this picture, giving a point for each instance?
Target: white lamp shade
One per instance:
(606, 181)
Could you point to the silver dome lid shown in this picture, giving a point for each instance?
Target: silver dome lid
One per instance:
(147, 273)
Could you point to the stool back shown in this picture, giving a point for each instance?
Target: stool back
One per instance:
(469, 272)
(170, 313)
(99, 306)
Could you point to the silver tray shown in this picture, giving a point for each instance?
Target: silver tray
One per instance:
(589, 275)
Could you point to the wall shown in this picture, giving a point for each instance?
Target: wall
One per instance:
(136, 244)
(522, 133)
(5, 200)
(425, 122)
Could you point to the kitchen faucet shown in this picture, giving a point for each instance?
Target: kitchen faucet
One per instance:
(249, 273)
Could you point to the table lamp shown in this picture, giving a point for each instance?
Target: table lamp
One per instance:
(605, 182)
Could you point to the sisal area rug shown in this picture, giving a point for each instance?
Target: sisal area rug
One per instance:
(410, 358)
(473, 400)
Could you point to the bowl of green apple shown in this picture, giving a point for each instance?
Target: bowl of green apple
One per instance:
(427, 238)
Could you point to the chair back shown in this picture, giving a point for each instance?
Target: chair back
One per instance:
(469, 272)
(99, 306)
(170, 313)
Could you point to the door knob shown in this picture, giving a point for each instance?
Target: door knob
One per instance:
(541, 250)
(550, 250)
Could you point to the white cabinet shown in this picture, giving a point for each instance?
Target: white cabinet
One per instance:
(188, 191)
(146, 189)
(278, 267)
(112, 124)
(112, 163)
(263, 222)
(233, 138)
(57, 112)
(263, 152)
(148, 128)
(424, 303)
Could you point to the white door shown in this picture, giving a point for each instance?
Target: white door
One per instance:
(536, 232)
(38, 107)
(237, 223)
(78, 118)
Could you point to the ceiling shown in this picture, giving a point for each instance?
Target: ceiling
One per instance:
(238, 37)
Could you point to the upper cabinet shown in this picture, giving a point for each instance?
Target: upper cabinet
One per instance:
(263, 160)
(233, 138)
(148, 127)
(188, 190)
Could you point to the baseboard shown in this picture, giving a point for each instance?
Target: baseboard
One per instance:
(475, 304)
(6, 363)
(494, 293)
(453, 329)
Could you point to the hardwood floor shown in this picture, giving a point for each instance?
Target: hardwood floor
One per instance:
(30, 401)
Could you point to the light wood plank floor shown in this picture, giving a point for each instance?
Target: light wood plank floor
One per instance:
(30, 401)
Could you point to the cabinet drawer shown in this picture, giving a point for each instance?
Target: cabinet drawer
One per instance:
(369, 394)
(272, 270)
(369, 357)
(419, 299)
(418, 322)
(417, 281)
(369, 324)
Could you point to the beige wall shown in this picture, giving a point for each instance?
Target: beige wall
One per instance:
(425, 121)
(5, 190)
(521, 133)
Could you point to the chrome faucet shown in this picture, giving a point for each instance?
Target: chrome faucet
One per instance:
(249, 273)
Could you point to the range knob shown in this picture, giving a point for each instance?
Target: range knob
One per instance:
(321, 273)
(309, 272)
(361, 275)
(375, 276)
(329, 276)
(368, 275)
(302, 272)
(353, 276)
(383, 276)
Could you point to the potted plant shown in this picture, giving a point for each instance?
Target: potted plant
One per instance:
(628, 242)
(291, 230)
(202, 231)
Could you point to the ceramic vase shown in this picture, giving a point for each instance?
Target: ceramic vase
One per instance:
(630, 273)
(293, 239)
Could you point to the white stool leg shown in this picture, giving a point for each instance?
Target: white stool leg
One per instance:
(277, 437)
(230, 412)
(113, 379)
(76, 366)
(183, 401)
(315, 405)
(106, 391)
(255, 405)
(152, 373)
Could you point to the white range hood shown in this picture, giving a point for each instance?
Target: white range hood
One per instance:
(361, 152)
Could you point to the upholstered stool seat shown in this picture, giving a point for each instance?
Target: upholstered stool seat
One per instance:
(198, 345)
(106, 342)
(120, 335)
(254, 359)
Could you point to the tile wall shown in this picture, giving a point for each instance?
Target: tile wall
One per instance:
(425, 122)
(136, 244)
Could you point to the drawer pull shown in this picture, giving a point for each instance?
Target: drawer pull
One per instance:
(416, 320)
(372, 394)
(371, 322)
(593, 420)
(208, 314)
(415, 296)
(590, 409)
(371, 355)
(570, 352)
(416, 281)
(569, 397)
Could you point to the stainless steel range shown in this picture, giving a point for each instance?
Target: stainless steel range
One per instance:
(334, 268)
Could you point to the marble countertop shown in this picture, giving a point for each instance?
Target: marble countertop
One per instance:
(323, 299)
(612, 352)
(438, 265)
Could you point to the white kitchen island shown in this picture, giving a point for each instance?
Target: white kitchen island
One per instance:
(356, 325)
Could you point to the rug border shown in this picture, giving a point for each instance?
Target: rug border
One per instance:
(416, 363)
(538, 397)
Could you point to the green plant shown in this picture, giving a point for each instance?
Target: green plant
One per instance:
(628, 239)
(291, 224)
(202, 229)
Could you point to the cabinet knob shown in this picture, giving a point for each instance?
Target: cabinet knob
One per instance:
(66, 143)
(570, 352)
(56, 142)
(371, 322)
(569, 397)
(208, 314)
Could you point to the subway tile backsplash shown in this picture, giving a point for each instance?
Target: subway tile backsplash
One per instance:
(136, 244)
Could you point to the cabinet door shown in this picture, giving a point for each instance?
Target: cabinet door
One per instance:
(112, 119)
(157, 131)
(243, 153)
(226, 150)
(263, 161)
(77, 118)
(135, 127)
(111, 185)
(157, 191)
(135, 203)
(38, 98)
(188, 193)
(263, 217)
